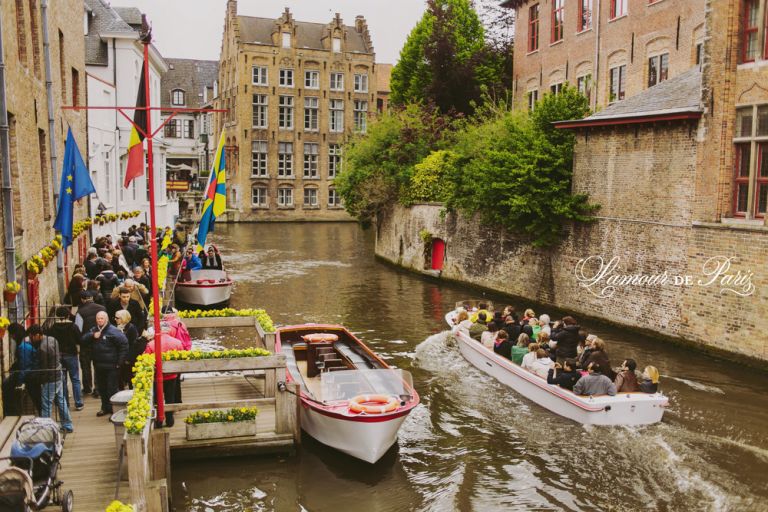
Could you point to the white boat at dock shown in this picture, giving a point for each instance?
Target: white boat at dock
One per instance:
(204, 287)
(351, 399)
(622, 409)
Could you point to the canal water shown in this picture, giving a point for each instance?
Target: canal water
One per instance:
(474, 444)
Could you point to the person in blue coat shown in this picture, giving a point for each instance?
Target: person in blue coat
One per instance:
(192, 261)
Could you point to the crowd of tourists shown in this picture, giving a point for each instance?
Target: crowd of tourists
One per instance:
(562, 352)
(91, 343)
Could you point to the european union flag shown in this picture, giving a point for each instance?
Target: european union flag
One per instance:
(75, 183)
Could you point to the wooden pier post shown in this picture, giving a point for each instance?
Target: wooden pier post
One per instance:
(294, 416)
(137, 471)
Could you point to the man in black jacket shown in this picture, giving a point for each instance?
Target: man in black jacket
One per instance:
(68, 335)
(567, 337)
(124, 301)
(564, 376)
(85, 320)
(50, 376)
(110, 349)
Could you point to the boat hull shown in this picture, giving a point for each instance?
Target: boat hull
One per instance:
(204, 288)
(622, 409)
(367, 441)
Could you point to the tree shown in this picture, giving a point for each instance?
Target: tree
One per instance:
(444, 61)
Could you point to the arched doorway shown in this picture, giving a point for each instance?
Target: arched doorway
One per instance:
(438, 253)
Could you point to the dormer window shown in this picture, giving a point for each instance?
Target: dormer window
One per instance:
(286, 39)
(177, 97)
(336, 45)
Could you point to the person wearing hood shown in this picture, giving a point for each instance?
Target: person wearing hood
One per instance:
(68, 335)
(107, 280)
(566, 335)
(170, 380)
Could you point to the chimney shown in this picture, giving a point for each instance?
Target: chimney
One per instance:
(360, 24)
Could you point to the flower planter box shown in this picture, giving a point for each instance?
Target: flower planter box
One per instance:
(224, 364)
(219, 321)
(199, 431)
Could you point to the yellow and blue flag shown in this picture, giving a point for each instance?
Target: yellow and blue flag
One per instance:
(215, 195)
(75, 184)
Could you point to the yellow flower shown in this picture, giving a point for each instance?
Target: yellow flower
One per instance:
(230, 417)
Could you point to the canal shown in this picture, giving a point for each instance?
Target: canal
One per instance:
(474, 444)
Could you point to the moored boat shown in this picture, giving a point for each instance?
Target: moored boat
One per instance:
(204, 287)
(622, 409)
(351, 399)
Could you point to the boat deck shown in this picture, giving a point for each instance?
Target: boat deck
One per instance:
(312, 384)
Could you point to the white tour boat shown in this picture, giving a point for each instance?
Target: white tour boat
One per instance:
(204, 287)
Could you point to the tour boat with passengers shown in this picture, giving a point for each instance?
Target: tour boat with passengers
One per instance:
(351, 399)
(621, 409)
(470, 306)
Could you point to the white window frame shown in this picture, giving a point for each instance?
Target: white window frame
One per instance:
(260, 117)
(334, 160)
(286, 39)
(311, 161)
(313, 197)
(285, 113)
(336, 81)
(361, 82)
(285, 196)
(285, 159)
(336, 45)
(311, 79)
(259, 159)
(311, 113)
(263, 195)
(336, 116)
(260, 75)
(286, 77)
(178, 97)
(334, 194)
(360, 116)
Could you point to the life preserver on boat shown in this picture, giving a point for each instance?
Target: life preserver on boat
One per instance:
(373, 404)
(320, 337)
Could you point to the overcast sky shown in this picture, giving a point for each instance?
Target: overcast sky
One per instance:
(192, 28)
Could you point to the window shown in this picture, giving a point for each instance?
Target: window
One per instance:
(584, 85)
(699, 54)
(285, 113)
(62, 67)
(259, 196)
(658, 69)
(749, 30)
(361, 83)
(334, 199)
(556, 88)
(75, 87)
(310, 196)
(45, 177)
(336, 119)
(750, 183)
(311, 110)
(259, 158)
(173, 129)
(285, 196)
(286, 39)
(337, 81)
(312, 79)
(259, 75)
(285, 160)
(334, 160)
(286, 78)
(584, 19)
(35, 33)
(177, 97)
(618, 83)
(336, 45)
(310, 160)
(260, 110)
(533, 97)
(361, 116)
(533, 28)
(618, 8)
(189, 129)
(557, 21)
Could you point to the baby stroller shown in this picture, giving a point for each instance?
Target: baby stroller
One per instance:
(28, 477)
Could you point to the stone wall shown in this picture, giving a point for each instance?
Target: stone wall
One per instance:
(642, 177)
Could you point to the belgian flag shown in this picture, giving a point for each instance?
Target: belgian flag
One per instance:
(135, 166)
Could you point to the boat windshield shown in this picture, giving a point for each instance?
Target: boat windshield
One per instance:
(343, 385)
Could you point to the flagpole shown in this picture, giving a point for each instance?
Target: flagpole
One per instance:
(153, 239)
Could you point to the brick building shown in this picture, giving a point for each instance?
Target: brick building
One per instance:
(612, 53)
(34, 175)
(678, 169)
(295, 91)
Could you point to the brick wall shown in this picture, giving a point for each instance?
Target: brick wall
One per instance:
(643, 178)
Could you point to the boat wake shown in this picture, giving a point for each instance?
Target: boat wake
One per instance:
(698, 386)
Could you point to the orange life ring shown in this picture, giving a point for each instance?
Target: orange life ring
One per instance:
(320, 337)
(382, 404)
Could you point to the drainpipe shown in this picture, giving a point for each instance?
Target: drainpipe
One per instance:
(52, 135)
(596, 75)
(7, 191)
